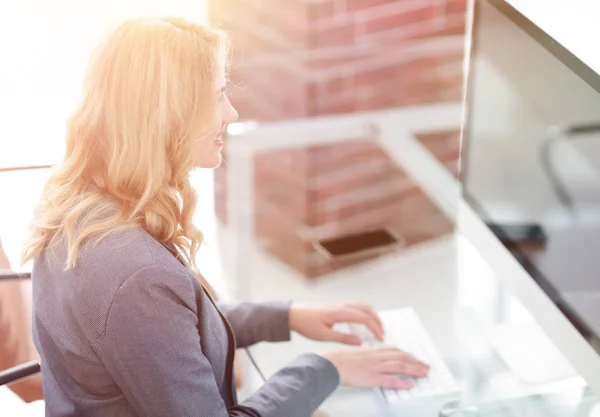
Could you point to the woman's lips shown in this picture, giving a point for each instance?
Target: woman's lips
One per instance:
(219, 139)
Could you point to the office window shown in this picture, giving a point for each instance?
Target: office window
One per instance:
(45, 48)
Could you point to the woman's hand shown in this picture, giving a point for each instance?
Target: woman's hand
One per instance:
(366, 367)
(316, 322)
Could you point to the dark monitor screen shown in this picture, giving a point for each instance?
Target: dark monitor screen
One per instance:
(531, 156)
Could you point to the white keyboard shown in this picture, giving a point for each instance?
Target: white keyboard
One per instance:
(404, 330)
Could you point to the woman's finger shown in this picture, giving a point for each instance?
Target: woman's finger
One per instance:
(361, 306)
(345, 338)
(368, 310)
(404, 368)
(391, 354)
(389, 381)
(410, 358)
(352, 315)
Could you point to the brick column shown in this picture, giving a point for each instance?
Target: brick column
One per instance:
(305, 58)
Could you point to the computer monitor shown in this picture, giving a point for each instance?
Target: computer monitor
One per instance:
(530, 164)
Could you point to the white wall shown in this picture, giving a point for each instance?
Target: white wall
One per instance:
(44, 47)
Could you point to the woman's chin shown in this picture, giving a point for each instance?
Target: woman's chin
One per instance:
(210, 162)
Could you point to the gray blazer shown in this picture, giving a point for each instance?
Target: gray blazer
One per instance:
(131, 332)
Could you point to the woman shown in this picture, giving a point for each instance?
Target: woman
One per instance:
(122, 324)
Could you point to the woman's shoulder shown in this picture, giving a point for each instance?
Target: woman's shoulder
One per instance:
(104, 266)
(127, 265)
(124, 250)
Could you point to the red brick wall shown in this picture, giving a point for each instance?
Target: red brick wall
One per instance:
(304, 58)
(295, 58)
(306, 194)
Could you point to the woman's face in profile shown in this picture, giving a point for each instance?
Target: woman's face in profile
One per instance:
(207, 148)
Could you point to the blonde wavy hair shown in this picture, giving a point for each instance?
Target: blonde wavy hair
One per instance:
(150, 90)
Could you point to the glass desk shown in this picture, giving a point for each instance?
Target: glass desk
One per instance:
(465, 287)
(566, 403)
(461, 304)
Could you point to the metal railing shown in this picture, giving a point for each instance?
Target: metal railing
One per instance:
(25, 168)
(10, 275)
(19, 372)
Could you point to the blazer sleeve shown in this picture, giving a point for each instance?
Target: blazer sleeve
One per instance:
(258, 322)
(151, 347)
